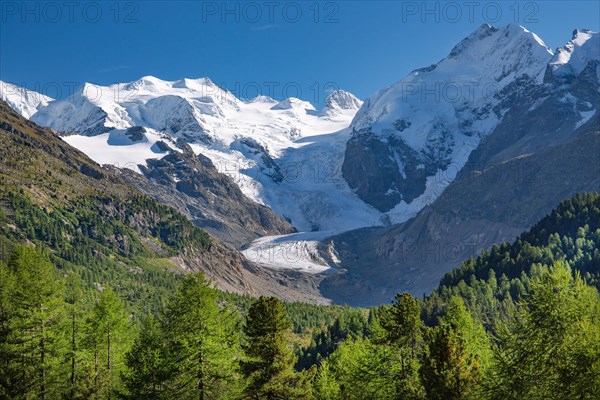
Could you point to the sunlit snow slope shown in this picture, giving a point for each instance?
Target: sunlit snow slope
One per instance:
(25, 102)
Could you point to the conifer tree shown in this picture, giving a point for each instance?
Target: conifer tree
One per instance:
(7, 283)
(107, 338)
(148, 369)
(202, 342)
(74, 314)
(326, 386)
(403, 331)
(34, 345)
(269, 361)
(458, 353)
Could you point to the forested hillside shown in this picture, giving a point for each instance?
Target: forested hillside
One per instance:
(522, 321)
(494, 281)
(533, 334)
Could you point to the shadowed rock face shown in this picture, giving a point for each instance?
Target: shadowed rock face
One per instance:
(371, 167)
(136, 133)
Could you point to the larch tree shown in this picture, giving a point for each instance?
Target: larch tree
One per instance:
(269, 361)
(202, 342)
(458, 352)
(107, 339)
(35, 340)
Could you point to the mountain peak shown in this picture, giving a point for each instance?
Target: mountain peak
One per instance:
(490, 39)
(342, 100)
(198, 84)
(570, 59)
(148, 82)
(262, 99)
(582, 34)
(493, 56)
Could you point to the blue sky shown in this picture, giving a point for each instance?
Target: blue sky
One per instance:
(277, 48)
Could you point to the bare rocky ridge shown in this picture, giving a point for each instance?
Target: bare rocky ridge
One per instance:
(212, 200)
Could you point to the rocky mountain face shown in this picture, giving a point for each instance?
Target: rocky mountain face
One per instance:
(192, 184)
(545, 149)
(409, 140)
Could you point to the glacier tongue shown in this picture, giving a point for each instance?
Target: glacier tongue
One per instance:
(298, 251)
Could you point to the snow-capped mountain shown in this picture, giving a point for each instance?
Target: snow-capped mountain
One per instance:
(411, 139)
(188, 108)
(544, 149)
(340, 104)
(285, 154)
(25, 102)
(350, 164)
